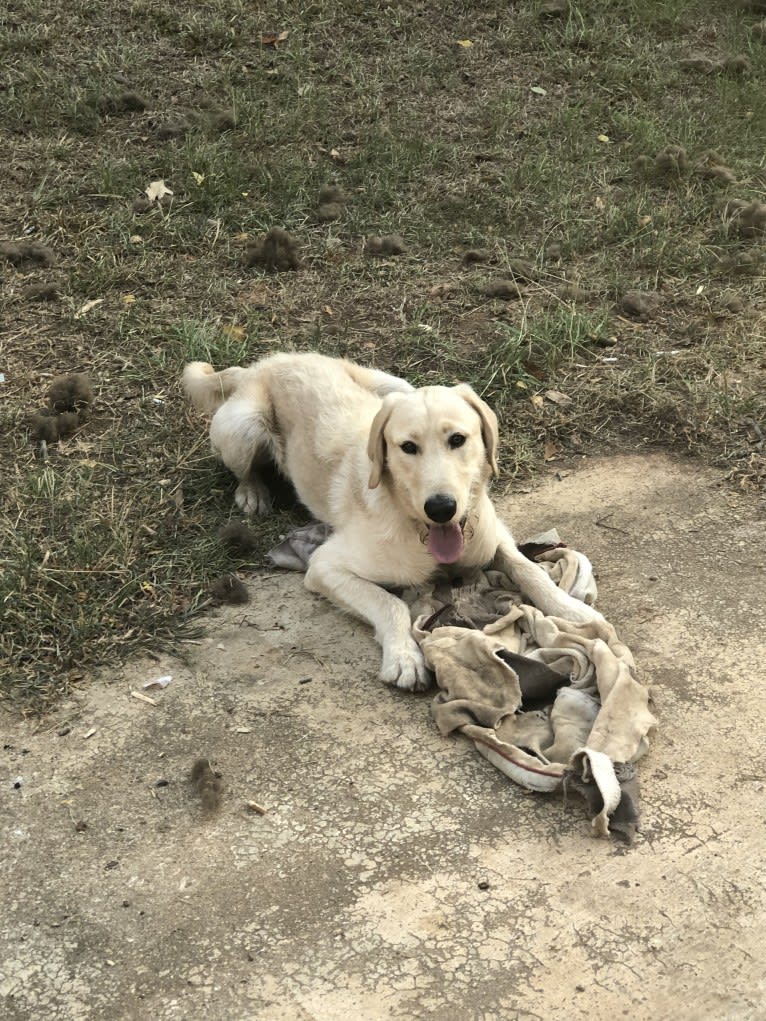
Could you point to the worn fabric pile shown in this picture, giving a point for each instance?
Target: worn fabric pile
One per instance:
(550, 703)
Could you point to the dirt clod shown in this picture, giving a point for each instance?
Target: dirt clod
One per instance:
(178, 128)
(572, 291)
(670, 162)
(388, 244)
(732, 302)
(331, 193)
(222, 120)
(504, 288)
(553, 9)
(329, 211)
(474, 255)
(522, 269)
(230, 589)
(40, 292)
(331, 203)
(745, 263)
(700, 62)
(124, 102)
(141, 205)
(50, 426)
(70, 392)
(717, 172)
(640, 304)
(207, 784)
(736, 63)
(276, 252)
(238, 537)
(20, 252)
(748, 218)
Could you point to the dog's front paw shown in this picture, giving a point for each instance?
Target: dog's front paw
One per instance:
(403, 667)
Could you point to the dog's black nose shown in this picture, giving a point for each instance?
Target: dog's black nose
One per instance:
(440, 508)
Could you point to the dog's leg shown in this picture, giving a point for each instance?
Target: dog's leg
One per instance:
(536, 584)
(377, 381)
(241, 439)
(328, 575)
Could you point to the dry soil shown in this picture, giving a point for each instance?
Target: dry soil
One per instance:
(396, 874)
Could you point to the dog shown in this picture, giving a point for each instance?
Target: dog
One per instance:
(400, 474)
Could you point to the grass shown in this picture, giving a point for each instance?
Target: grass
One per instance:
(523, 141)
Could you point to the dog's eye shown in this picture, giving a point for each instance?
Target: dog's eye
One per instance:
(456, 440)
(409, 447)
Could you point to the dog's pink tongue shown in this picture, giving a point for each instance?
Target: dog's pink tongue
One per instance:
(445, 543)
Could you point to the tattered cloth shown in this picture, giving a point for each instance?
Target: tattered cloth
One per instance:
(550, 703)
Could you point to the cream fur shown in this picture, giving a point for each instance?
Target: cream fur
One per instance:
(336, 429)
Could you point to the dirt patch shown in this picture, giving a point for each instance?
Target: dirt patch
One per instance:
(395, 874)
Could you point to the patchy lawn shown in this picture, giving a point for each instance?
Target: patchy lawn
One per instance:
(577, 195)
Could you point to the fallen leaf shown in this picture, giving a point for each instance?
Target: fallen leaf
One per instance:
(539, 90)
(440, 291)
(465, 43)
(156, 191)
(199, 178)
(550, 451)
(274, 39)
(234, 332)
(557, 397)
(603, 138)
(259, 296)
(537, 400)
(136, 239)
(83, 310)
(128, 299)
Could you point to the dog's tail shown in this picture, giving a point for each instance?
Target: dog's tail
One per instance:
(208, 389)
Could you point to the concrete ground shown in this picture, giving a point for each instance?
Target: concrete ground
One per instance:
(397, 874)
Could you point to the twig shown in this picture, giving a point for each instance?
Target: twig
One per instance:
(601, 523)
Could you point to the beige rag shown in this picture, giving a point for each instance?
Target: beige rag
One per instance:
(598, 722)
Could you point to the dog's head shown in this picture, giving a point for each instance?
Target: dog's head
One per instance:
(435, 448)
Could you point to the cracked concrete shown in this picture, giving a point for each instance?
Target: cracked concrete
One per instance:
(396, 874)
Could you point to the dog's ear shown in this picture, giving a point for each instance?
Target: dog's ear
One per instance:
(489, 430)
(376, 444)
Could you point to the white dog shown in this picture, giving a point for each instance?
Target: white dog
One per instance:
(400, 474)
